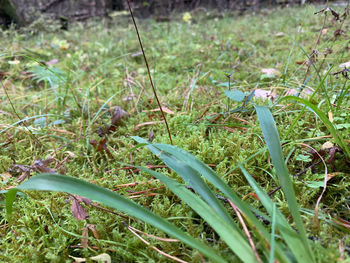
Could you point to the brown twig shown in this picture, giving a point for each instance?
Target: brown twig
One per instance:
(149, 72)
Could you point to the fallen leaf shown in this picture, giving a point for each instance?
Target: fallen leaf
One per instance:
(84, 237)
(151, 135)
(265, 94)
(270, 71)
(338, 33)
(280, 34)
(327, 145)
(101, 146)
(324, 31)
(345, 65)
(117, 120)
(42, 166)
(104, 258)
(118, 115)
(94, 231)
(78, 210)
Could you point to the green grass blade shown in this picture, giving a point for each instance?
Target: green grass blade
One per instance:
(272, 242)
(184, 157)
(272, 139)
(60, 183)
(231, 236)
(333, 131)
(191, 177)
(291, 237)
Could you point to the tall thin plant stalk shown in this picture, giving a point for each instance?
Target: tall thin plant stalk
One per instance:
(149, 73)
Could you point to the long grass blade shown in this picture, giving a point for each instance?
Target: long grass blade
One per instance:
(272, 139)
(290, 236)
(231, 236)
(330, 127)
(184, 158)
(192, 178)
(60, 183)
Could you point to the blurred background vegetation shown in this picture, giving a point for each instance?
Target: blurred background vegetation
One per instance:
(25, 12)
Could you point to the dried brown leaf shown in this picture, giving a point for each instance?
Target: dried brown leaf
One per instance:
(42, 166)
(151, 135)
(78, 210)
(94, 231)
(118, 116)
(101, 146)
(84, 237)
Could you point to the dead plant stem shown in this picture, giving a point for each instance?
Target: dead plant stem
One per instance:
(149, 72)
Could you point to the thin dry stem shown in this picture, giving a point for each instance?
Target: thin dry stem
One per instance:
(155, 248)
(246, 231)
(155, 237)
(149, 72)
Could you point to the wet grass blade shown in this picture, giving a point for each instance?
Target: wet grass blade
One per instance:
(272, 139)
(183, 158)
(60, 183)
(192, 177)
(330, 127)
(290, 236)
(231, 236)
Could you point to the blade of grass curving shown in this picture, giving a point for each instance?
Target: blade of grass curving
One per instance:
(231, 236)
(290, 236)
(193, 179)
(185, 158)
(272, 139)
(330, 127)
(320, 85)
(60, 183)
(25, 119)
(343, 92)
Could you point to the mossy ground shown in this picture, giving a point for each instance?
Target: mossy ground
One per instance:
(98, 61)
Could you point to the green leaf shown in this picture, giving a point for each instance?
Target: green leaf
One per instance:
(272, 139)
(60, 183)
(235, 95)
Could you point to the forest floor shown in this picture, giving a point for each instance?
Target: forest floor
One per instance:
(74, 98)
